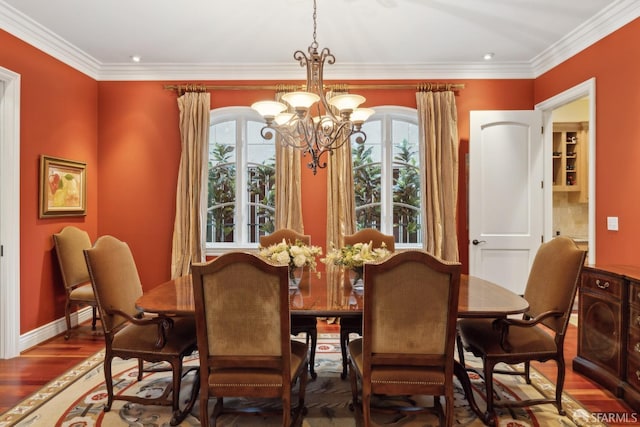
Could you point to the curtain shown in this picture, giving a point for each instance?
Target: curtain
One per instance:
(288, 186)
(188, 245)
(438, 127)
(341, 205)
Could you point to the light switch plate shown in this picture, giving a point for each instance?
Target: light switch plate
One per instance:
(612, 223)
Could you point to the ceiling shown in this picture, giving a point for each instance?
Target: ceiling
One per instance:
(255, 39)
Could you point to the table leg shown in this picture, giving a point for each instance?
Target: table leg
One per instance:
(180, 414)
(461, 373)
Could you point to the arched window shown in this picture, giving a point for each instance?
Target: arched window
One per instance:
(386, 175)
(241, 180)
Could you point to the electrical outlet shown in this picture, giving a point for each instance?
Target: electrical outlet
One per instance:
(612, 223)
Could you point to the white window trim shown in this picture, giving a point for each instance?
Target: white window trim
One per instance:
(241, 115)
(387, 113)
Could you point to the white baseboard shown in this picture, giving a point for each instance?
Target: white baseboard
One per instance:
(50, 330)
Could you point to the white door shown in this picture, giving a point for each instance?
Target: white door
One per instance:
(506, 209)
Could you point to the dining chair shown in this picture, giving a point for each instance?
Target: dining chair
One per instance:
(539, 335)
(244, 342)
(353, 325)
(409, 324)
(128, 332)
(299, 325)
(69, 244)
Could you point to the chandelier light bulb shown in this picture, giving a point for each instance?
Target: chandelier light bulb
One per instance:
(268, 109)
(360, 115)
(301, 100)
(346, 102)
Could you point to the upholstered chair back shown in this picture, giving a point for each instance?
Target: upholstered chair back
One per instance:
(553, 280)
(242, 308)
(70, 243)
(243, 323)
(411, 305)
(115, 280)
(290, 236)
(371, 235)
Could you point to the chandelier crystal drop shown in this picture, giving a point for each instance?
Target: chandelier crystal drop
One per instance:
(309, 121)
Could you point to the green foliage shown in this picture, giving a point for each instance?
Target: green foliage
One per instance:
(406, 192)
(262, 194)
(221, 194)
(367, 187)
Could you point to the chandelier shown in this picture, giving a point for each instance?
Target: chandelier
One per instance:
(309, 121)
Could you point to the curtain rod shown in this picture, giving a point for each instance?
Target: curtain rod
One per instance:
(424, 87)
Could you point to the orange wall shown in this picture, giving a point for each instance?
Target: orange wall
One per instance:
(58, 117)
(615, 64)
(131, 172)
(140, 148)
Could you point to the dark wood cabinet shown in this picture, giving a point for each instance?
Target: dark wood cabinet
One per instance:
(609, 329)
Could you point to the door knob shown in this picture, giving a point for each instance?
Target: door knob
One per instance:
(477, 242)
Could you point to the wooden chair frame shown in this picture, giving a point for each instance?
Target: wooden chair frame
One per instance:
(130, 335)
(238, 373)
(299, 325)
(389, 371)
(539, 335)
(70, 243)
(353, 325)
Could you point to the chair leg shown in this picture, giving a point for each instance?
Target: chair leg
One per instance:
(460, 349)
(108, 381)
(140, 369)
(67, 318)
(560, 384)
(488, 382)
(313, 334)
(344, 342)
(95, 316)
(527, 372)
(204, 401)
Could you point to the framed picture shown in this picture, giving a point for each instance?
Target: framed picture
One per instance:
(63, 187)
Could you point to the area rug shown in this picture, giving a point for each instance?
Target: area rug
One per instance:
(76, 399)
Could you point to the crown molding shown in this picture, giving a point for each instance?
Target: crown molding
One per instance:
(29, 31)
(610, 19)
(616, 15)
(126, 72)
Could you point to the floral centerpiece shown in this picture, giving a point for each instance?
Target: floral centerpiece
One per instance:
(296, 256)
(355, 256)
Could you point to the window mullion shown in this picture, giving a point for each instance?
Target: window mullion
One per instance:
(241, 183)
(386, 197)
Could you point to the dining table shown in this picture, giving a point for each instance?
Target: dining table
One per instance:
(331, 293)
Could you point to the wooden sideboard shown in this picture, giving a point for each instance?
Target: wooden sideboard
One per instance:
(609, 329)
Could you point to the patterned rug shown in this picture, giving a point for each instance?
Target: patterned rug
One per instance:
(76, 399)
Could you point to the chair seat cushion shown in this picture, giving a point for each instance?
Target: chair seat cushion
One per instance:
(480, 336)
(83, 293)
(259, 377)
(389, 375)
(142, 339)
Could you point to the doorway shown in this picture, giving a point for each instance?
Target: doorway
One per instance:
(9, 213)
(581, 97)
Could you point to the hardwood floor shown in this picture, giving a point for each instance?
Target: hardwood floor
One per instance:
(24, 375)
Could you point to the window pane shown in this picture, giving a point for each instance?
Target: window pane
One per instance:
(406, 183)
(367, 176)
(222, 182)
(260, 183)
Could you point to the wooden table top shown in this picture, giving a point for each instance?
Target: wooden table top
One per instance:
(331, 295)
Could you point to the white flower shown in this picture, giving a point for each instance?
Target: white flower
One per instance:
(294, 255)
(352, 256)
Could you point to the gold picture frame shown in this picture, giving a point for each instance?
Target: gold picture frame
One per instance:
(63, 187)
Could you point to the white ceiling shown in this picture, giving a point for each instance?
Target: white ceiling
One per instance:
(255, 39)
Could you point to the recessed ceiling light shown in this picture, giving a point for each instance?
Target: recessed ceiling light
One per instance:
(488, 56)
(136, 58)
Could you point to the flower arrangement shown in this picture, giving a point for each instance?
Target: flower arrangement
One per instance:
(293, 255)
(355, 256)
